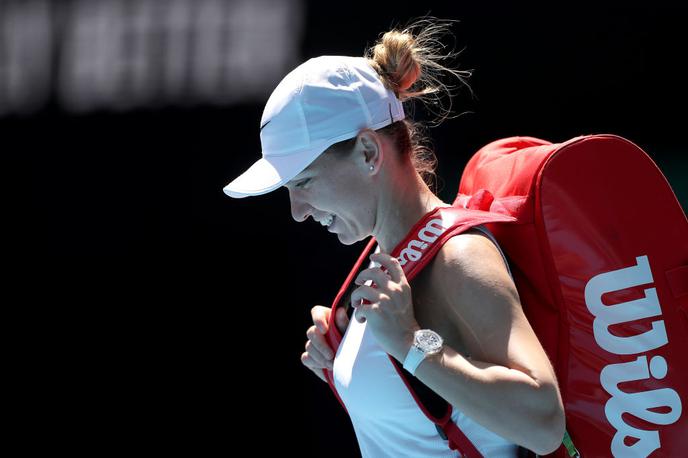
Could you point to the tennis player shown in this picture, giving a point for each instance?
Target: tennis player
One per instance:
(335, 134)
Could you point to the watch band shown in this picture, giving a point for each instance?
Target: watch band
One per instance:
(426, 342)
(413, 358)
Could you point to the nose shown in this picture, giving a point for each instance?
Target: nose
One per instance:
(299, 209)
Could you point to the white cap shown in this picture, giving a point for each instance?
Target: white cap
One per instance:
(323, 101)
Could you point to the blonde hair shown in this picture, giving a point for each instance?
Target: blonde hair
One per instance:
(408, 63)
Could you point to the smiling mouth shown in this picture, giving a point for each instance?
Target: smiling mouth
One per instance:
(327, 222)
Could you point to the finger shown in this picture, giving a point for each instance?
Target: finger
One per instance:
(319, 341)
(390, 263)
(319, 373)
(321, 317)
(342, 320)
(307, 361)
(364, 292)
(376, 274)
(317, 358)
(359, 314)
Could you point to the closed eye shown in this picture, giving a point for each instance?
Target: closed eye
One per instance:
(298, 185)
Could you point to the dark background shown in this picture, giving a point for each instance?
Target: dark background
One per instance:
(174, 317)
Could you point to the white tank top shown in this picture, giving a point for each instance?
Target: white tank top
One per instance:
(386, 419)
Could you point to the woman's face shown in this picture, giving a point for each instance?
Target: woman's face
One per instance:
(336, 184)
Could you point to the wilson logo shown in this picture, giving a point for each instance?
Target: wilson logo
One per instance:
(639, 404)
(427, 235)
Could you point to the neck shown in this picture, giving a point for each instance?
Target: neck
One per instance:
(400, 209)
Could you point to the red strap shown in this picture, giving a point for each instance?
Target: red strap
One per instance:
(445, 426)
(333, 336)
(414, 252)
(459, 441)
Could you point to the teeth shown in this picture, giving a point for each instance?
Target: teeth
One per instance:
(327, 221)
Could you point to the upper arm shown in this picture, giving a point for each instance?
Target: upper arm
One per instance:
(480, 299)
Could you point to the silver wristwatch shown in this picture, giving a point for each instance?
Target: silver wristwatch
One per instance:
(426, 342)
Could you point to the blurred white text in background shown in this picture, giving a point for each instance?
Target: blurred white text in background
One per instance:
(126, 54)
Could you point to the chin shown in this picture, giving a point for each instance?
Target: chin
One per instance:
(349, 241)
(345, 241)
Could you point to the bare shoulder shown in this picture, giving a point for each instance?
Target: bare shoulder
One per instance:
(470, 253)
(472, 281)
(480, 299)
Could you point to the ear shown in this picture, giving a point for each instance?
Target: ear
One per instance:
(370, 144)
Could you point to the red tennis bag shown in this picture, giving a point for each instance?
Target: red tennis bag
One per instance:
(597, 244)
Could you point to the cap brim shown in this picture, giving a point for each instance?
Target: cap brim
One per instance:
(268, 174)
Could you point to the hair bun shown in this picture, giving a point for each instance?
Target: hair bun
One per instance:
(396, 61)
(409, 62)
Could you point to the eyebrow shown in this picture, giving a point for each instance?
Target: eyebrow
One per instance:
(302, 176)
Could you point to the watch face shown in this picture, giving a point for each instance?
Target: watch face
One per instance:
(428, 340)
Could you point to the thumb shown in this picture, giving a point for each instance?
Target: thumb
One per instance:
(342, 319)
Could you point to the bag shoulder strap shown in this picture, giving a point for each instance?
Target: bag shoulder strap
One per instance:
(414, 252)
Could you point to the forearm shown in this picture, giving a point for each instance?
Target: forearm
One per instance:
(506, 401)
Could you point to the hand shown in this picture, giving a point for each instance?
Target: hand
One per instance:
(318, 354)
(390, 311)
